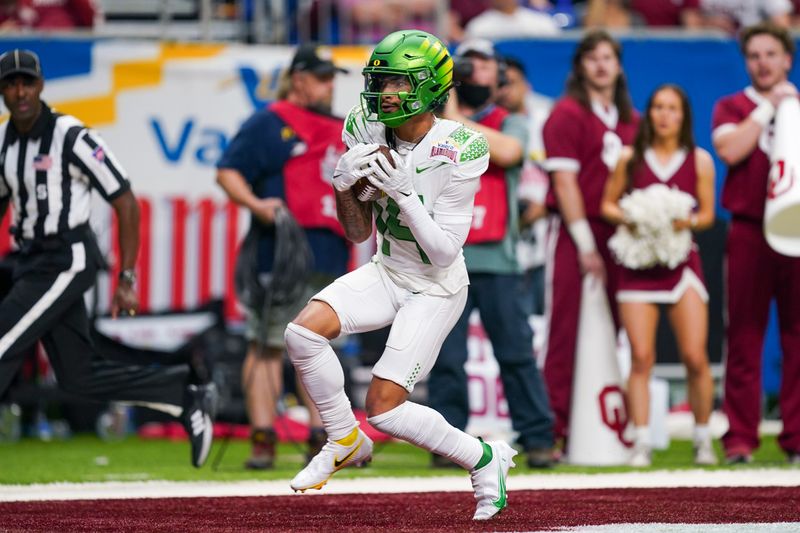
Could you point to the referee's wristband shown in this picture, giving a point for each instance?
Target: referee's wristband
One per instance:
(582, 235)
(128, 276)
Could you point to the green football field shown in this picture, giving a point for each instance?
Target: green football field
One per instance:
(86, 458)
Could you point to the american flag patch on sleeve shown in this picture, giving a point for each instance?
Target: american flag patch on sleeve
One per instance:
(42, 162)
(99, 154)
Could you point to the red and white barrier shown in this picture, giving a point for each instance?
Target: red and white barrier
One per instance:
(186, 257)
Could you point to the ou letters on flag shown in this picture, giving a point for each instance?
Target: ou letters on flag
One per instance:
(782, 207)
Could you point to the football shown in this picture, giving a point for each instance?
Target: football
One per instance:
(366, 191)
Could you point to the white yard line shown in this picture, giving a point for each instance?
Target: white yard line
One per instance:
(778, 527)
(191, 489)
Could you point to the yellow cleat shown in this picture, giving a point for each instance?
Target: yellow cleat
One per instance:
(354, 449)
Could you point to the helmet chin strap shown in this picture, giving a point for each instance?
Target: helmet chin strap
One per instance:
(408, 110)
(391, 139)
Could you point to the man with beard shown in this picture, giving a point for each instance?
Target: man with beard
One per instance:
(742, 136)
(583, 139)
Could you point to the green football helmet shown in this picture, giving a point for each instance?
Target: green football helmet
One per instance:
(419, 57)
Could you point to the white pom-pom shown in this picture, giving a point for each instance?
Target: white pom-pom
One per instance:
(651, 211)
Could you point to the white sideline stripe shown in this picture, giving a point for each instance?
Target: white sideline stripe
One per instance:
(750, 527)
(193, 489)
(57, 289)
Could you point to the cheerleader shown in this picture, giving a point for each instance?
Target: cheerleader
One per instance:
(664, 153)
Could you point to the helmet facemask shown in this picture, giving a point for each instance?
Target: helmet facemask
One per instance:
(408, 101)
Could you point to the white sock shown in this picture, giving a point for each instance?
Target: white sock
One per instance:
(426, 428)
(641, 436)
(322, 375)
(702, 433)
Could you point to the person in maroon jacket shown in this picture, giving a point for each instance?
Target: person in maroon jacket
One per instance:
(742, 136)
(665, 13)
(664, 153)
(583, 139)
(47, 14)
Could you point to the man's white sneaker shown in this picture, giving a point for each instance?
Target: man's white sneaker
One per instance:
(489, 481)
(640, 457)
(704, 454)
(354, 449)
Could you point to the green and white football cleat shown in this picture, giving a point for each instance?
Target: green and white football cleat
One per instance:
(489, 481)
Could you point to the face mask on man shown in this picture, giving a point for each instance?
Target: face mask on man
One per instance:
(474, 96)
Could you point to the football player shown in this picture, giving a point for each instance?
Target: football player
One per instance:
(417, 281)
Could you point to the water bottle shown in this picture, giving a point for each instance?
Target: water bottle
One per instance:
(61, 429)
(42, 428)
(10, 422)
(113, 424)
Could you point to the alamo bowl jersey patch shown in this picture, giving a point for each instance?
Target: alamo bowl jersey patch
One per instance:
(444, 150)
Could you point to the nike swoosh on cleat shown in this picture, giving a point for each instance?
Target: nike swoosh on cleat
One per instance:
(337, 463)
(500, 502)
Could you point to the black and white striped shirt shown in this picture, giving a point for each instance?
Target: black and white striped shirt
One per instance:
(49, 174)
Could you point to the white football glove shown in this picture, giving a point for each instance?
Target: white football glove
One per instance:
(353, 165)
(393, 181)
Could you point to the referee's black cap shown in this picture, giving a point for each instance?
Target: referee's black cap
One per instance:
(310, 57)
(20, 62)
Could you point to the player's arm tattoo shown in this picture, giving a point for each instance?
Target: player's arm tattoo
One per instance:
(355, 216)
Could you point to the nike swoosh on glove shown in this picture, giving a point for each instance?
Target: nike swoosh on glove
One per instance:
(353, 165)
(393, 181)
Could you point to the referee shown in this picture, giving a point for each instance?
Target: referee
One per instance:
(49, 164)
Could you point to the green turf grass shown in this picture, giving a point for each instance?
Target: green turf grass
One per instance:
(85, 458)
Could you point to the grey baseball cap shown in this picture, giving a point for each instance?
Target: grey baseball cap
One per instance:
(480, 47)
(20, 61)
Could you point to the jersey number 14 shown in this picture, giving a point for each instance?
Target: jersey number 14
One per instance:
(392, 225)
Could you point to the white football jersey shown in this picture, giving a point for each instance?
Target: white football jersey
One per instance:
(445, 159)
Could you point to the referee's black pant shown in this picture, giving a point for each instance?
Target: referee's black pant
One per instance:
(46, 302)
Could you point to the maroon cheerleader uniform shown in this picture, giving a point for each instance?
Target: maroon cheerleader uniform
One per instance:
(661, 284)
